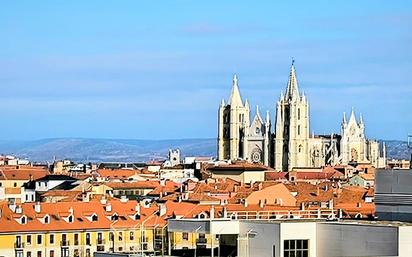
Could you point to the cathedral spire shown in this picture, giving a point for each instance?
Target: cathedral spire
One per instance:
(360, 119)
(267, 117)
(235, 99)
(352, 116)
(292, 90)
(344, 118)
(222, 103)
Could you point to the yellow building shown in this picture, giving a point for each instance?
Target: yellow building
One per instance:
(80, 228)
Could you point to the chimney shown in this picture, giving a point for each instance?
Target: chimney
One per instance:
(317, 191)
(302, 206)
(37, 207)
(162, 209)
(103, 200)
(124, 199)
(261, 203)
(359, 205)
(109, 207)
(224, 212)
(331, 204)
(137, 208)
(260, 186)
(245, 203)
(163, 182)
(235, 188)
(71, 210)
(18, 209)
(212, 212)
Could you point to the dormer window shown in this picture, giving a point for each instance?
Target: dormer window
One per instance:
(23, 220)
(202, 215)
(94, 217)
(70, 219)
(46, 219)
(115, 217)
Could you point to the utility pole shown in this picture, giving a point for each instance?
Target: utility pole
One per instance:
(410, 147)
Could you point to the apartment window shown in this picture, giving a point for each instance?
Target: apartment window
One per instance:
(28, 239)
(65, 252)
(76, 239)
(39, 241)
(111, 236)
(51, 239)
(88, 239)
(15, 184)
(120, 236)
(298, 130)
(28, 254)
(131, 235)
(294, 248)
(46, 219)
(87, 252)
(38, 253)
(185, 236)
(51, 253)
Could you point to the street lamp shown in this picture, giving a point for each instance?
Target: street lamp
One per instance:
(410, 141)
(253, 233)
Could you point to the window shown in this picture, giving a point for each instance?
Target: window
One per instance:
(94, 218)
(298, 130)
(51, 239)
(76, 239)
(23, 220)
(300, 148)
(46, 219)
(70, 218)
(88, 239)
(111, 236)
(298, 113)
(294, 248)
(38, 253)
(15, 184)
(185, 236)
(28, 239)
(28, 254)
(39, 241)
(87, 252)
(52, 253)
(131, 235)
(120, 236)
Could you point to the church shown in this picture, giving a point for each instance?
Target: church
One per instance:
(290, 145)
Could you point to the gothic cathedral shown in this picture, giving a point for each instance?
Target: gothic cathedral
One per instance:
(290, 145)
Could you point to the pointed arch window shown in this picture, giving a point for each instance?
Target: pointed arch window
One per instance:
(298, 130)
(300, 148)
(298, 113)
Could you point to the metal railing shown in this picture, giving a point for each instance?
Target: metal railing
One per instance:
(201, 240)
(18, 245)
(284, 215)
(64, 243)
(100, 241)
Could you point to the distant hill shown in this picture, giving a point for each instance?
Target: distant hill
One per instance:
(99, 150)
(130, 150)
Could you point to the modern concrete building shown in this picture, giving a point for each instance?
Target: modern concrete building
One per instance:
(315, 238)
(393, 194)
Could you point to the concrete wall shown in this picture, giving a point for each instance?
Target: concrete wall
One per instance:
(337, 240)
(393, 194)
(260, 241)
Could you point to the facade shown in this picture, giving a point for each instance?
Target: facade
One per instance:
(393, 195)
(305, 237)
(290, 145)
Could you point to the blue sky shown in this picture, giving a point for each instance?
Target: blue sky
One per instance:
(158, 69)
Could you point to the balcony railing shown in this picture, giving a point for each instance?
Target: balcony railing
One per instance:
(65, 243)
(100, 242)
(18, 245)
(201, 241)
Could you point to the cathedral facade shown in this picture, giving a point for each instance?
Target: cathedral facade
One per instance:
(290, 145)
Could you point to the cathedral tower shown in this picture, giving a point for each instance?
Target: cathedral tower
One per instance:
(233, 119)
(292, 127)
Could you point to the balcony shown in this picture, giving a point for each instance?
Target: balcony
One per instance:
(201, 241)
(100, 242)
(65, 243)
(18, 245)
